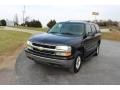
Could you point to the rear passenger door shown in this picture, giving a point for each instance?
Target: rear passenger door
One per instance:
(89, 40)
(95, 36)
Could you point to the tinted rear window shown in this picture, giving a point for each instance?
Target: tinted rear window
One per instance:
(97, 28)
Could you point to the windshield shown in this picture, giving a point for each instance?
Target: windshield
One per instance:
(68, 28)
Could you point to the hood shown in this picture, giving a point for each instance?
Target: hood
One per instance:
(56, 39)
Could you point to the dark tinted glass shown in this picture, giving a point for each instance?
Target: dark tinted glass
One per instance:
(97, 28)
(88, 29)
(68, 28)
(93, 28)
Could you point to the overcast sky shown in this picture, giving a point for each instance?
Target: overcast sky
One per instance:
(61, 13)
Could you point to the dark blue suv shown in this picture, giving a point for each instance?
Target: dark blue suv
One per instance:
(67, 44)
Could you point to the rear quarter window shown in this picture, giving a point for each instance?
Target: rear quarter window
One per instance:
(93, 28)
(97, 28)
(88, 29)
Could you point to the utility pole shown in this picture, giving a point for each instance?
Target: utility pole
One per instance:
(24, 14)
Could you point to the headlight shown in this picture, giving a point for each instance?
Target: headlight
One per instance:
(64, 50)
(29, 44)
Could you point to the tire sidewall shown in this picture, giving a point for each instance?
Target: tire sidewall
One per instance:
(97, 50)
(75, 70)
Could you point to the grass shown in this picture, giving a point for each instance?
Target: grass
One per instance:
(11, 40)
(111, 36)
(32, 28)
(112, 28)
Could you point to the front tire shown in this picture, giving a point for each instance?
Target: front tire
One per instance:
(77, 64)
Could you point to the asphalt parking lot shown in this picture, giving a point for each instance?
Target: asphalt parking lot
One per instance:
(103, 69)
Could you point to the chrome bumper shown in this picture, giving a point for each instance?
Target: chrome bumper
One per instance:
(63, 63)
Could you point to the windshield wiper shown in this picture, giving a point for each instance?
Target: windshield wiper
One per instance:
(67, 33)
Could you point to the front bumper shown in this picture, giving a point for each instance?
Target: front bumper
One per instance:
(46, 60)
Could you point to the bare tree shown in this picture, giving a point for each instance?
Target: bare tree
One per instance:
(26, 18)
(16, 21)
(24, 11)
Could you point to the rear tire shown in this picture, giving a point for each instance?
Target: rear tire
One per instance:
(77, 64)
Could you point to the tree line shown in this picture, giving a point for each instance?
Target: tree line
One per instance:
(51, 23)
(104, 23)
(32, 23)
(37, 23)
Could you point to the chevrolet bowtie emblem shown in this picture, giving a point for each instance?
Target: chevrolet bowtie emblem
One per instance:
(40, 48)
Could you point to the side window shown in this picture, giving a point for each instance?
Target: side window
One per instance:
(88, 29)
(93, 28)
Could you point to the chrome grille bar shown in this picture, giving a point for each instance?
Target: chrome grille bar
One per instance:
(48, 49)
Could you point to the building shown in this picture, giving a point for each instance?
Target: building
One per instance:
(9, 23)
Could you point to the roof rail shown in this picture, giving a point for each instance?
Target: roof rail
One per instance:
(78, 21)
(74, 20)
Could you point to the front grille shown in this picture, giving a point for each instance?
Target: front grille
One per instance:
(46, 55)
(44, 45)
(44, 52)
